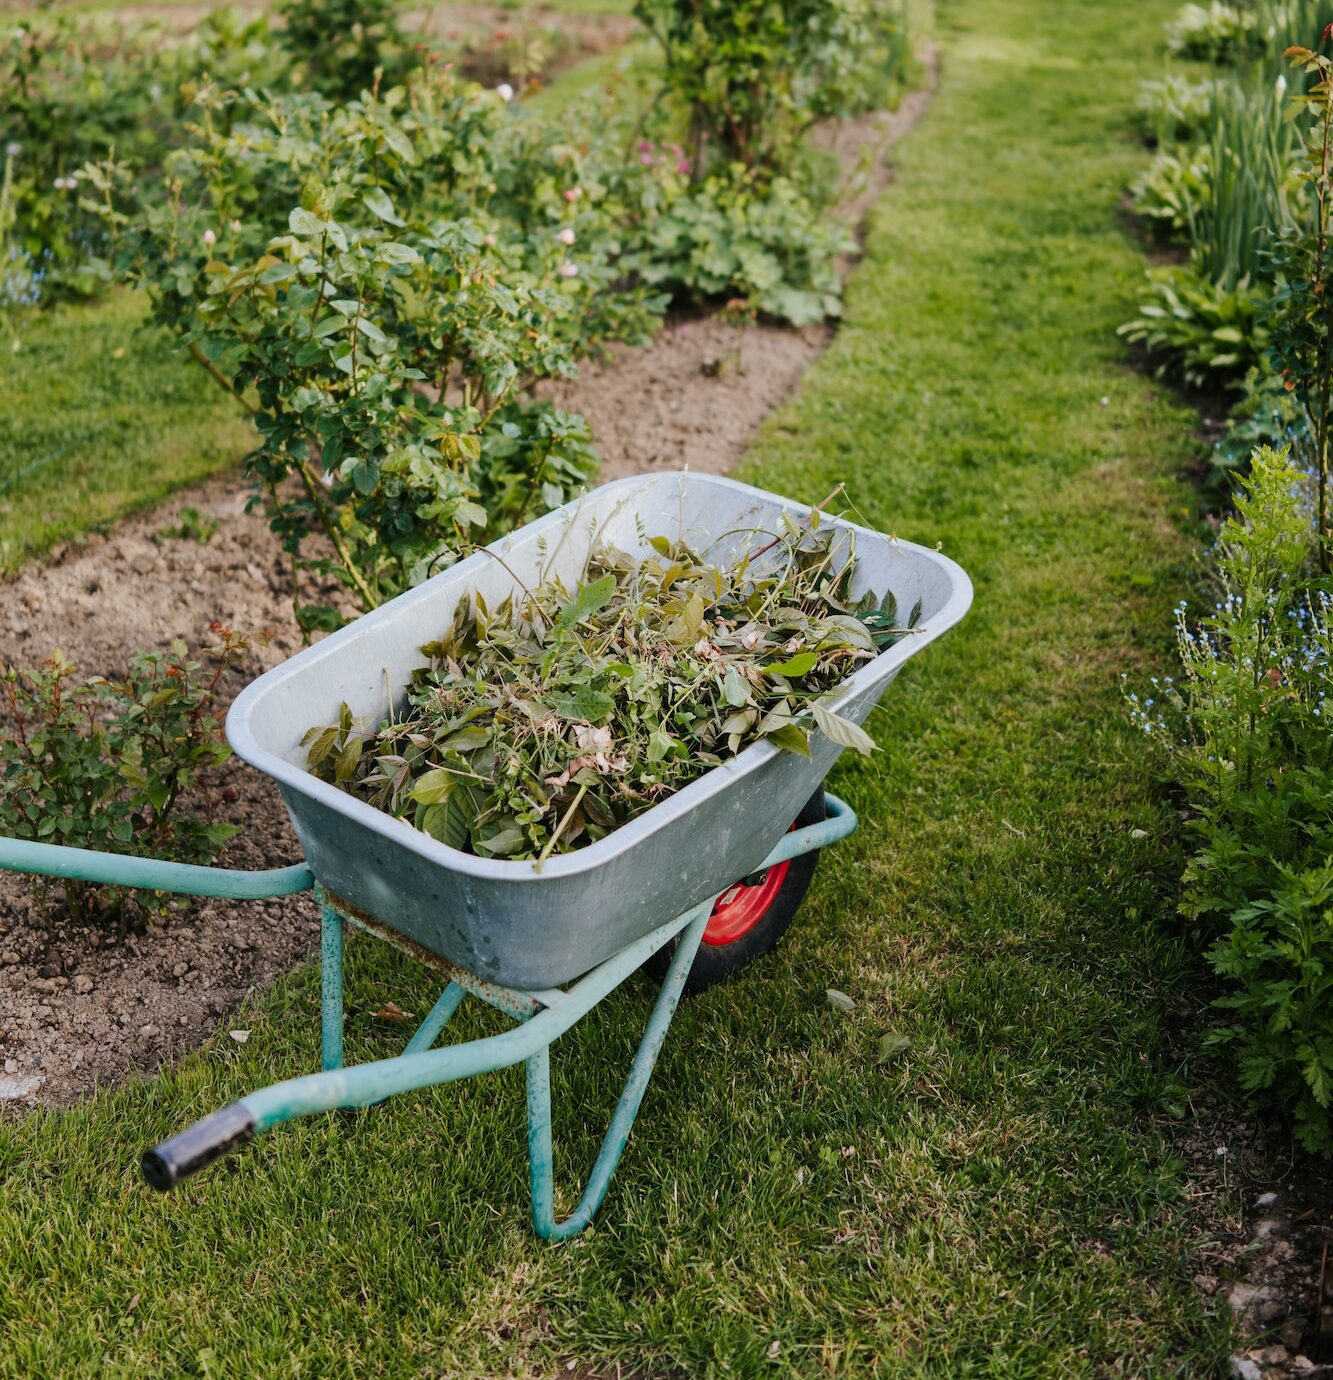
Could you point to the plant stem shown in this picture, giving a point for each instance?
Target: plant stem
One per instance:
(330, 531)
(219, 377)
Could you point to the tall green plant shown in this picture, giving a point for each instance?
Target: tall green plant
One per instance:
(751, 75)
(1251, 153)
(1302, 344)
(1247, 729)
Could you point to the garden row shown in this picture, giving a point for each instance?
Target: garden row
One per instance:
(1242, 187)
(379, 259)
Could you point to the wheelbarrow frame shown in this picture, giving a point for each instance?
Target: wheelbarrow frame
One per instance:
(540, 1016)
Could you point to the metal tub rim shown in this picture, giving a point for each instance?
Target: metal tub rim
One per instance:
(872, 675)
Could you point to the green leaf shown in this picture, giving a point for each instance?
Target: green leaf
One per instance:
(735, 689)
(588, 600)
(892, 1046)
(585, 703)
(840, 1001)
(303, 222)
(378, 202)
(842, 731)
(791, 738)
(434, 787)
(799, 665)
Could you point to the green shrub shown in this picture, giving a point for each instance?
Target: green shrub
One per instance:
(1248, 733)
(1169, 194)
(1215, 32)
(750, 76)
(343, 47)
(1175, 108)
(773, 247)
(71, 94)
(117, 766)
(1201, 333)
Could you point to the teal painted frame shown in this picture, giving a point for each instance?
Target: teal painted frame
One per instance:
(541, 1018)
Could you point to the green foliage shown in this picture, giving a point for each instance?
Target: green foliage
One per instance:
(1169, 195)
(773, 247)
(546, 723)
(1225, 33)
(336, 267)
(116, 766)
(1228, 199)
(752, 75)
(1302, 318)
(1215, 32)
(344, 47)
(72, 95)
(1251, 156)
(1249, 737)
(1174, 108)
(1199, 332)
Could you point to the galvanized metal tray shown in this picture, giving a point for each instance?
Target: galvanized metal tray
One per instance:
(522, 924)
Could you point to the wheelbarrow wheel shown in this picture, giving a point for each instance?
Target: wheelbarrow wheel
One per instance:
(751, 916)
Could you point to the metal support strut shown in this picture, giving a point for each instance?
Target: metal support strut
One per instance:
(541, 1016)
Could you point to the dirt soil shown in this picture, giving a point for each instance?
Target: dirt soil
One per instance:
(77, 1011)
(1265, 1247)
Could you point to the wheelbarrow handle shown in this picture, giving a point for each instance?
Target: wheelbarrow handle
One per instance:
(198, 1145)
(150, 874)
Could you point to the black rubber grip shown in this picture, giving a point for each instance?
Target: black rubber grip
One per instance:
(167, 1164)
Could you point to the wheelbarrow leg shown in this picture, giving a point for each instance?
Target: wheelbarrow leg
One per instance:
(331, 987)
(540, 1154)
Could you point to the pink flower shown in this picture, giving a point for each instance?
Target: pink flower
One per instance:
(645, 146)
(209, 239)
(646, 159)
(683, 167)
(569, 270)
(566, 236)
(573, 193)
(490, 240)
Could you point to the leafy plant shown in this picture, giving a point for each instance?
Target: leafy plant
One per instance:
(559, 716)
(1216, 32)
(1168, 196)
(322, 264)
(752, 75)
(1251, 157)
(1175, 108)
(1247, 731)
(1200, 332)
(116, 765)
(345, 47)
(1302, 319)
(772, 247)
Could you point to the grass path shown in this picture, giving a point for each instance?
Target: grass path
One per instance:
(101, 417)
(1001, 1199)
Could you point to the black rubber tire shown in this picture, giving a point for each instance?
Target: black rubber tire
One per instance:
(715, 963)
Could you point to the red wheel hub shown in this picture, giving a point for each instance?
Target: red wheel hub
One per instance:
(742, 906)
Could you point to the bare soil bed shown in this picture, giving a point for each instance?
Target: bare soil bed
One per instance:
(78, 1010)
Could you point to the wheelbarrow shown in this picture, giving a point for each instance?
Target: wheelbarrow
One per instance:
(694, 888)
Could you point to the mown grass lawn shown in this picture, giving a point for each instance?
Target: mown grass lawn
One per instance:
(1001, 1199)
(100, 416)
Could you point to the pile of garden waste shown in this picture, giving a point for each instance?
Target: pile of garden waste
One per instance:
(542, 725)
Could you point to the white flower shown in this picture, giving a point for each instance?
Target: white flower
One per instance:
(235, 225)
(566, 236)
(505, 91)
(13, 148)
(568, 270)
(209, 239)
